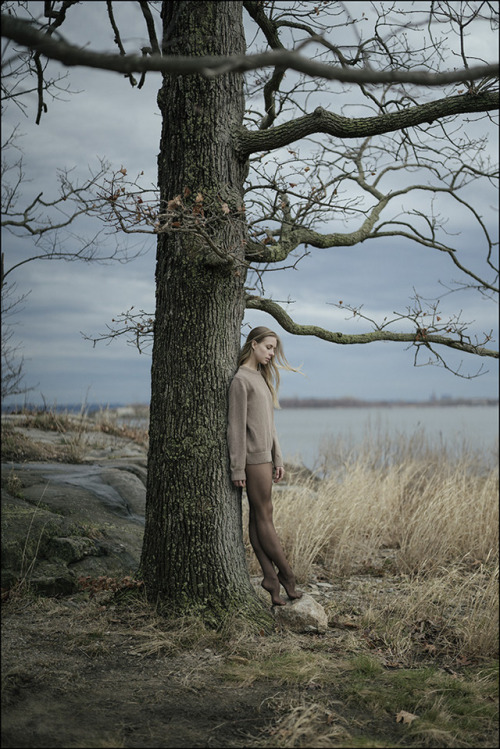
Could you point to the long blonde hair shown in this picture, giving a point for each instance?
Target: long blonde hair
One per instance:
(270, 372)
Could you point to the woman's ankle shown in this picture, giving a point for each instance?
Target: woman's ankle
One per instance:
(272, 586)
(289, 583)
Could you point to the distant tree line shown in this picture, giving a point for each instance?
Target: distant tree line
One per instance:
(357, 403)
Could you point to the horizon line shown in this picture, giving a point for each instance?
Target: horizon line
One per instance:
(285, 402)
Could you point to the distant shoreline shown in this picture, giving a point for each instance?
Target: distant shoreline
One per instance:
(135, 409)
(356, 403)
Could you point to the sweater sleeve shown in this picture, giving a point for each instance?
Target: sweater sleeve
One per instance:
(237, 429)
(276, 450)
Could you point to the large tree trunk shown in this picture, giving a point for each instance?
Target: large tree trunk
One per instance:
(193, 556)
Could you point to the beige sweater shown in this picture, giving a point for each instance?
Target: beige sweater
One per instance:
(251, 432)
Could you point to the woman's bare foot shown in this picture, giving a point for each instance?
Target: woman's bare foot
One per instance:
(273, 587)
(289, 586)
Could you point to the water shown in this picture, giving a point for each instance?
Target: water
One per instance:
(303, 431)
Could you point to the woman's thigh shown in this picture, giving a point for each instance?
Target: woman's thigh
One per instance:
(259, 484)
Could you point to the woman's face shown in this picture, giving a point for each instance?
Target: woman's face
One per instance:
(265, 350)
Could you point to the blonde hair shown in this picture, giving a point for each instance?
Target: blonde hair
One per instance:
(270, 372)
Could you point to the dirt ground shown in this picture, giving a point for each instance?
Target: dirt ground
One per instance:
(74, 675)
(68, 698)
(80, 673)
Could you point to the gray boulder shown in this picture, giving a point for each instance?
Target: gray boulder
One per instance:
(62, 522)
(302, 615)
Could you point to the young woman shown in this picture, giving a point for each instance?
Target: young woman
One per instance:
(255, 452)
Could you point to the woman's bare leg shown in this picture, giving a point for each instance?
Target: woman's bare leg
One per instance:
(267, 546)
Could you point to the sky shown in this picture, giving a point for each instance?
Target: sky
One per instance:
(66, 301)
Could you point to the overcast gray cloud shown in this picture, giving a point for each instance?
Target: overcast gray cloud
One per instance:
(111, 120)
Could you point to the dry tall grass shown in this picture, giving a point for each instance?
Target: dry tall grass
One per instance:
(404, 508)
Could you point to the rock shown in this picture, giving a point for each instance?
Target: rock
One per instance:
(73, 548)
(303, 615)
(54, 584)
(61, 522)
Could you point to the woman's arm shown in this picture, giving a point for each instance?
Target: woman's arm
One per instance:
(276, 453)
(237, 431)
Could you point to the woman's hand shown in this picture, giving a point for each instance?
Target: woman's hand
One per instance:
(279, 472)
(240, 483)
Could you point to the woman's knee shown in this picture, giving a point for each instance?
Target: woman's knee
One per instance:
(261, 510)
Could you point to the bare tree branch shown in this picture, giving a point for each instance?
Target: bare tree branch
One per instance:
(118, 41)
(12, 360)
(269, 28)
(25, 33)
(420, 337)
(138, 326)
(321, 121)
(58, 18)
(49, 222)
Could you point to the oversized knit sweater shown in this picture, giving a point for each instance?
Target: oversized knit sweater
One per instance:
(251, 432)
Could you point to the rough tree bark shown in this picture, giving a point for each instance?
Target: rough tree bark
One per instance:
(193, 555)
